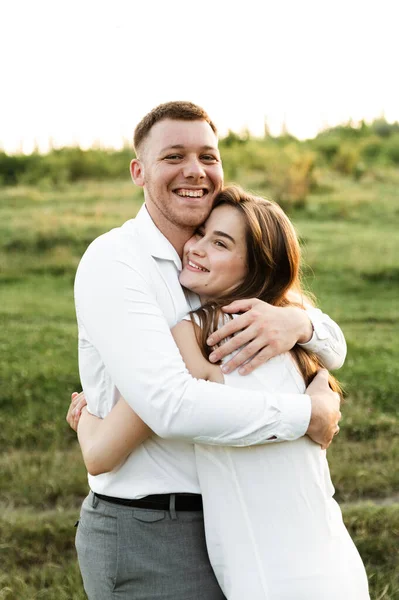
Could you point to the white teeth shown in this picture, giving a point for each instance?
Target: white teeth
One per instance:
(197, 267)
(190, 193)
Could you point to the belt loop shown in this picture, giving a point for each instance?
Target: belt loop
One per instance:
(94, 500)
(172, 507)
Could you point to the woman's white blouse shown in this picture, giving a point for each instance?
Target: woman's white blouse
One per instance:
(272, 526)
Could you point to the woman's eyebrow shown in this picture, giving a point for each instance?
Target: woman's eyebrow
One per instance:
(226, 235)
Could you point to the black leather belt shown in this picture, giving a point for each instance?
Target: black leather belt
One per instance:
(187, 502)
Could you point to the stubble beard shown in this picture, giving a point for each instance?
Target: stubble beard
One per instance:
(187, 219)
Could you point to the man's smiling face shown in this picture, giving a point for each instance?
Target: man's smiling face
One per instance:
(181, 172)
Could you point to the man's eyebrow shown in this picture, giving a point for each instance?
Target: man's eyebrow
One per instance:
(226, 235)
(182, 147)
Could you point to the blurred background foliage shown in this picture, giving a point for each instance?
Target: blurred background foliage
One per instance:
(287, 164)
(341, 190)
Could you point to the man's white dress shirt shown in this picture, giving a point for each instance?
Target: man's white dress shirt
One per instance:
(128, 297)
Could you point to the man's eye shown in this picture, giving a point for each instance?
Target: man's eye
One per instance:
(208, 158)
(173, 157)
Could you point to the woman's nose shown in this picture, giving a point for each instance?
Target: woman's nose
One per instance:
(198, 248)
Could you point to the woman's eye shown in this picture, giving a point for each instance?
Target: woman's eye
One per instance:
(220, 244)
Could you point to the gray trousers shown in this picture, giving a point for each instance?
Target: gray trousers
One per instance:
(141, 554)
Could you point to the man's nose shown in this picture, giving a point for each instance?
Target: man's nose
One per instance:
(194, 168)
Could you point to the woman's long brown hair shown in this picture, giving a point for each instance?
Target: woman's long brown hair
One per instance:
(273, 272)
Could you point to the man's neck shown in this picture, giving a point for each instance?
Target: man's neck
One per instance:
(175, 234)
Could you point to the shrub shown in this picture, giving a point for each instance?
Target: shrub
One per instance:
(391, 149)
(371, 148)
(327, 147)
(347, 160)
(384, 129)
(299, 179)
(289, 176)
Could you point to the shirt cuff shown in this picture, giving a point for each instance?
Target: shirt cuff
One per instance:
(320, 331)
(297, 410)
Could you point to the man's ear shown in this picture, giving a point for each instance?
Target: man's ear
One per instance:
(137, 172)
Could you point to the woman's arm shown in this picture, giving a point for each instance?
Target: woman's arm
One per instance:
(196, 363)
(106, 443)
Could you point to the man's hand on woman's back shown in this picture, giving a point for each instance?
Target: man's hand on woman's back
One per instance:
(263, 331)
(325, 410)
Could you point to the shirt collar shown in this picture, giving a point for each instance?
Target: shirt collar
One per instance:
(158, 245)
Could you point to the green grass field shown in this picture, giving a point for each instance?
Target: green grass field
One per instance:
(349, 232)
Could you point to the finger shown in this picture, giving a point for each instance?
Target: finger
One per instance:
(74, 418)
(76, 398)
(319, 383)
(243, 338)
(240, 305)
(71, 408)
(74, 404)
(73, 424)
(259, 359)
(80, 399)
(229, 329)
(82, 402)
(245, 355)
(69, 418)
(322, 375)
(78, 407)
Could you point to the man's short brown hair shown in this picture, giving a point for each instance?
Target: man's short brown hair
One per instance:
(177, 111)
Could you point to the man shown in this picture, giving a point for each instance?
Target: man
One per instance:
(141, 530)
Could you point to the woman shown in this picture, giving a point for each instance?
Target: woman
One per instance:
(273, 528)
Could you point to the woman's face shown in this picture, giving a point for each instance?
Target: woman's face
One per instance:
(215, 258)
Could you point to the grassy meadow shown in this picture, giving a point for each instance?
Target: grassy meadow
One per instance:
(348, 226)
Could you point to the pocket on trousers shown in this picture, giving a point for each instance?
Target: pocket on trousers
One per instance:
(149, 516)
(83, 524)
(138, 537)
(96, 545)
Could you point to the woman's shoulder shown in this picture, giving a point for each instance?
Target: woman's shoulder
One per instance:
(192, 316)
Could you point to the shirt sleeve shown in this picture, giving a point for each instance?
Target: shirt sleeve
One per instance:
(327, 341)
(124, 325)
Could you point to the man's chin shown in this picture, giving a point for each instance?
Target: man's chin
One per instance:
(191, 219)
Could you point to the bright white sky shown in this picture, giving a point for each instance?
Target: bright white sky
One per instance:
(88, 70)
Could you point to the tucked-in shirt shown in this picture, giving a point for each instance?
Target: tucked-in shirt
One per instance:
(128, 297)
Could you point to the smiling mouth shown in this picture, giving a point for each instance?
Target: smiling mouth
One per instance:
(186, 193)
(196, 267)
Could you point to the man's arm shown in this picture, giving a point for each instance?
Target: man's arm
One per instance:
(265, 331)
(125, 325)
(327, 340)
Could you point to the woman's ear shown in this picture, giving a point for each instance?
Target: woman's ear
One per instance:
(137, 172)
